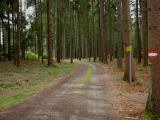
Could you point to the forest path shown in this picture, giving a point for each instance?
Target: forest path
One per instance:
(73, 100)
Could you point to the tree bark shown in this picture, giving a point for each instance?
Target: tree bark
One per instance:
(93, 32)
(49, 42)
(9, 38)
(71, 32)
(79, 35)
(103, 32)
(41, 19)
(0, 39)
(145, 32)
(59, 31)
(138, 34)
(111, 36)
(17, 44)
(154, 43)
(129, 74)
(120, 36)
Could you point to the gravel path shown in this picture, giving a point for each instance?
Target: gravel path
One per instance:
(70, 101)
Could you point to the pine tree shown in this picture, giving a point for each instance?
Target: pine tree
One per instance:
(154, 43)
(49, 42)
(129, 74)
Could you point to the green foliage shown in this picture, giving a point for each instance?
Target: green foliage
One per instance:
(148, 115)
(31, 55)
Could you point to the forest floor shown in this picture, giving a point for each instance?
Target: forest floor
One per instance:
(18, 84)
(130, 100)
(92, 92)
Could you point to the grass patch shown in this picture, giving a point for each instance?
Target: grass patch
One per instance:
(11, 100)
(88, 75)
(17, 84)
(31, 55)
(148, 115)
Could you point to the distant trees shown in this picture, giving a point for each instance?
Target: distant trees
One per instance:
(96, 30)
(10, 15)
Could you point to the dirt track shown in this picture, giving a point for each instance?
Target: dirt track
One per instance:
(70, 101)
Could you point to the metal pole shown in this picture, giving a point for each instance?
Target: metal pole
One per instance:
(130, 80)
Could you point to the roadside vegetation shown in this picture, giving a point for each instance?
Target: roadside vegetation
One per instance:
(17, 84)
(148, 115)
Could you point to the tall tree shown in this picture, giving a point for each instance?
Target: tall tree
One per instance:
(138, 33)
(17, 44)
(49, 41)
(144, 32)
(79, 30)
(41, 29)
(111, 27)
(93, 31)
(120, 35)
(0, 39)
(129, 74)
(9, 35)
(154, 43)
(71, 10)
(103, 32)
(59, 39)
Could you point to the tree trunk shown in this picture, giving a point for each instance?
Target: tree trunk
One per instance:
(93, 32)
(4, 39)
(111, 36)
(103, 32)
(0, 38)
(79, 36)
(129, 74)
(139, 49)
(154, 43)
(58, 31)
(120, 36)
(41, 19)
(9, 38)
(89, 38)
(17, 44)
(13, 33)
(49, 44)
(145, 32)
(71, 31)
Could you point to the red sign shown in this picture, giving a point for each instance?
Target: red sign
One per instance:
(152, 54)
